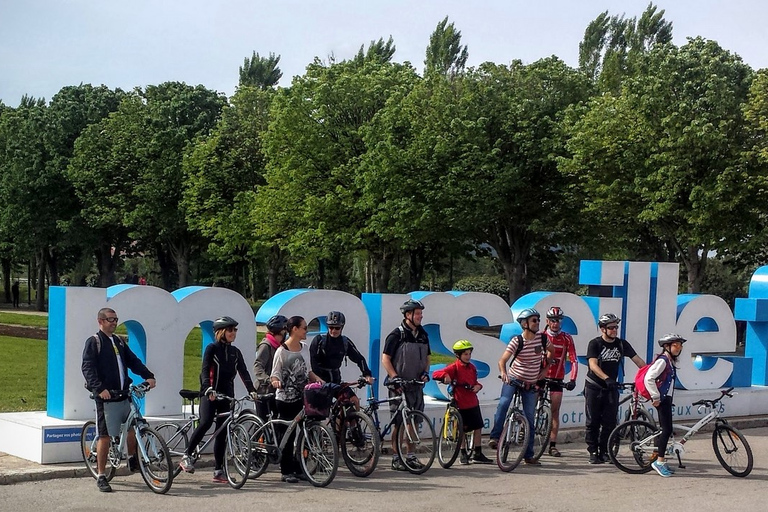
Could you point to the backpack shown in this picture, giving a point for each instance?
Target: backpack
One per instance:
(640, 387)
(324, 340)
(521, 344)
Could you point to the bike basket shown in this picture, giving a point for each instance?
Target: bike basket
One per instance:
(318, 399)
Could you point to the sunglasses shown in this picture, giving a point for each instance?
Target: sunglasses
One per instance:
(110, 319)
(611, 327)
(534, 320)
(555, 320)
(334, 327)
(231, 329)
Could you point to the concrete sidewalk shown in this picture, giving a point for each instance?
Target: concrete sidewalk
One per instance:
(14, 469)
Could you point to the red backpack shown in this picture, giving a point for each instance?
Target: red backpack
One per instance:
(640, 378)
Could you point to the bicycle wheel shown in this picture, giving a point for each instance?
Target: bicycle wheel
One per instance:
(416, 442)
(360, 445)
(642, 414)
(513, 442)
(318, 454)
(451, 435)
(732, 450)
(258, 436)
(176, 440)
(154, 461)
(237, 457)
(542, 426)
(632, 446)
(88, 440)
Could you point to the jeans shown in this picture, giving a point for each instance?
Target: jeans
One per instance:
(529, 397)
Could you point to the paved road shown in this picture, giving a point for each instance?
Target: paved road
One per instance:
(567, 484)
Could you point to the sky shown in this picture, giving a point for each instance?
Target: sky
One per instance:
(48, 44)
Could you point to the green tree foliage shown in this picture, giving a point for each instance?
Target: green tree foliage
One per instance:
(665, 154)
(260, 72)
(445, 53)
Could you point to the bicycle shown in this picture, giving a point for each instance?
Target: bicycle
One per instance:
(152, 453)
(237, 462)
(452, 432)
(314, 445)
(355, 433)
(410, 441)
(542, 421)
(637, 409)
(514, 436)
(632, 445)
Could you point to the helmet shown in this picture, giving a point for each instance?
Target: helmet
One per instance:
(460, 346)
(555, 313)
(276, 324)
(224, 322)
(608, 318)
(335, 318)
(526, 314)
(411, 305)
(671, 338)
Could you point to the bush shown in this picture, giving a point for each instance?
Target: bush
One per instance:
(496, 285)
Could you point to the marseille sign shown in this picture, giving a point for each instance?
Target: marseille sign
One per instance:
(643, 294)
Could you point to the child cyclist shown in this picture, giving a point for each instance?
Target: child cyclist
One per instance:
(660, 383)
(463, 375)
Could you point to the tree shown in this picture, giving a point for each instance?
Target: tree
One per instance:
(445, 54)
(666, 152)
(261, 72)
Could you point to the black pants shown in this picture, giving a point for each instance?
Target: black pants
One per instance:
(288, 411)
(665, 422)
(208, 411)
(601, 408)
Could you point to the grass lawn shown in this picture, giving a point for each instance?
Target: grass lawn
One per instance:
(22, 364)
(22, 319)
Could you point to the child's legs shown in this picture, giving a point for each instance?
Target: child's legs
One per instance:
(665, 422)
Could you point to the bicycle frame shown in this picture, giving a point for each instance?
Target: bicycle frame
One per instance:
(275, 449)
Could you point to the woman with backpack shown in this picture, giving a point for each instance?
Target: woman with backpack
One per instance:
(660, 383)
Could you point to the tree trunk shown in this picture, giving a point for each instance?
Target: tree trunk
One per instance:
(106, 259)
(166, 271)
(513, 247)
(6, 266)
(384, 272)
(416, 269)
(696, 264)
(275, 263)
(53, 267)
(320, 274)
(40, 288)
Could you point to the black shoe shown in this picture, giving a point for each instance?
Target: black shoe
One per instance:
(604, 457)
(464, 458)
(291, 479)
(594, 459)
(479, 458)
(103, 485)
(300, 476)
(133, 463)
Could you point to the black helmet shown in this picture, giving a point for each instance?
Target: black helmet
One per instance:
(671, 338)
(526, 314)
(224, 322)
(411, 305)
(608, 318)
(335, 318)
(276, 324)
(555, 313)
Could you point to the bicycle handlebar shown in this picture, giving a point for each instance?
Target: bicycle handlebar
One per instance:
(710, 403)
(139, 390)
(398, 382)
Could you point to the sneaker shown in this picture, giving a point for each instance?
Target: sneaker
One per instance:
(290, 478)
(103, 485)
(219, 477)
(604, 457)
(493, 444)
(301, 476)
(533, 462)
(414, 462)
(187, 465)
(133, 463)
(479, 458)
(661, 468)
(554, 452)
(464, 458)
(594, 459)
(397, 464)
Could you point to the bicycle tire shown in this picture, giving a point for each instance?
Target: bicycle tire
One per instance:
(632, 445)
(88, 440)
(642, 414)
(157, 468)
(237, 456)
(451, 437)
(542, 427)
(177, 440)
(359, 443)
(416, 451)
(513, 442)
(731, 448)
(259, 437)
(318, 453)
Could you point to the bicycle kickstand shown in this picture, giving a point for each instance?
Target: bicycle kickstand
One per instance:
(679, 460)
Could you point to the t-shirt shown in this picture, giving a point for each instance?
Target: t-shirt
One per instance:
(562, 349)
(408, 352)
(608, 357)
(292, 370)
(527, 365)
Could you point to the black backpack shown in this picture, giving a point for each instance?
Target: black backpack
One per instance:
(521, 344)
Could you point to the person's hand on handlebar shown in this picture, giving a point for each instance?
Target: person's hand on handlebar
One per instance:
(152, 383)
(369, 380)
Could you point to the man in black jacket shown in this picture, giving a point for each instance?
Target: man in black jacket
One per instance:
(106, 361)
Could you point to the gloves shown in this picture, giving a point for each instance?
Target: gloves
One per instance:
(254, 396)
(571, 385)
(610, 383)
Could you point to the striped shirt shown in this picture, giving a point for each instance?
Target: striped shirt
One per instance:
(527, 365)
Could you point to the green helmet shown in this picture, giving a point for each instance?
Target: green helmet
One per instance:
(460, 346)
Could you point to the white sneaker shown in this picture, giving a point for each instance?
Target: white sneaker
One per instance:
(187, 465)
